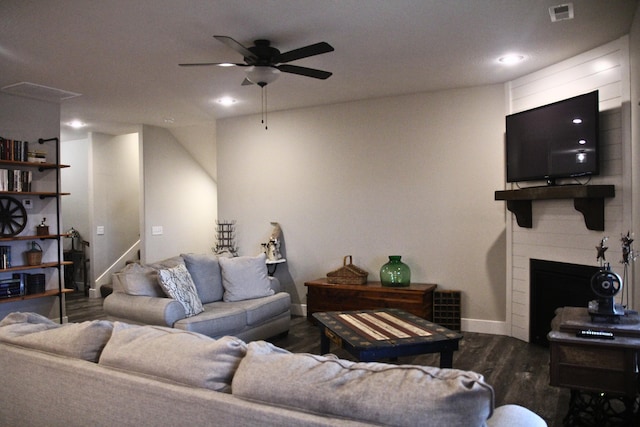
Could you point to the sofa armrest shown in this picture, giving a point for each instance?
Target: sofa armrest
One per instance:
(143, 309)
(515, 415)
(274, 284)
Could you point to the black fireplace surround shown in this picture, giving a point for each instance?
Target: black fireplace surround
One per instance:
(552, 285)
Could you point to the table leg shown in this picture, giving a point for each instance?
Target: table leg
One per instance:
(324, 341)
(446, 359)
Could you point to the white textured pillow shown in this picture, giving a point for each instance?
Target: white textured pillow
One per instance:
(177, 284)
(183, 357)
(380, 393)
(244, 278)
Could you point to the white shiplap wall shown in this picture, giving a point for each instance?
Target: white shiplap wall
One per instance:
(559, 232)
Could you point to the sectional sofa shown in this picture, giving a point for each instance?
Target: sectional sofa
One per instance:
(103, 373)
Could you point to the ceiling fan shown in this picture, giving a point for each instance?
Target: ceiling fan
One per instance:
(264, 63)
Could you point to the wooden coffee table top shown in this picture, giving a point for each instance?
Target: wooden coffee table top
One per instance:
(383, 328)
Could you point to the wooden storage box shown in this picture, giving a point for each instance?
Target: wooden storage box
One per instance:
(348, 274)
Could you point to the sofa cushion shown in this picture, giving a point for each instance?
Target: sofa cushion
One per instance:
(218, 319)
(178, 356)
(205, 272)
(136, 279)
(245, 278)
(78, 340)
(412, 395)
(260, 310)
(177, 284)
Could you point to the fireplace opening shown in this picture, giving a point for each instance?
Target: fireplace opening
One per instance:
(552, 285)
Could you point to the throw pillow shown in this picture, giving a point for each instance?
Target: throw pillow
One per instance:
(245, 278)
(379, 393)
(205, 272)
(78, 340)
(177, 284)
(138, 280)
(183, 357)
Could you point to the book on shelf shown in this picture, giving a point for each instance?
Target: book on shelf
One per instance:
(11, 149)
(15, 180)
(5, 257)
(12, 287)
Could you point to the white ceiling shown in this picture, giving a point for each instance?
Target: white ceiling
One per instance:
(122, 55)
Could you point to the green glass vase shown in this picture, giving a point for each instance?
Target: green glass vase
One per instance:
(395, 273)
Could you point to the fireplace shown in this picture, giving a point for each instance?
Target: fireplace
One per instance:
(552, 285)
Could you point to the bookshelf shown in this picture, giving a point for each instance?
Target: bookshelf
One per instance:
(29, 193)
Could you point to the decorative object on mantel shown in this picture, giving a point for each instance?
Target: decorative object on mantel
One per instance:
(226, 238)
(395, 273)
(601, 250)
(605, 284)
(348, 274)
(628, 256)
(42, 229)
(272, 247)
(34, 255)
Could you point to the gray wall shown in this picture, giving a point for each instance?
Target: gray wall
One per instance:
(409, 175)
(179, 195)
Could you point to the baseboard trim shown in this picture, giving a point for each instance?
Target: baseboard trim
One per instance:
(492, 327)
(299, 310)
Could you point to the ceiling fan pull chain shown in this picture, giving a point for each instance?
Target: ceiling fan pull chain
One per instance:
(264, 107)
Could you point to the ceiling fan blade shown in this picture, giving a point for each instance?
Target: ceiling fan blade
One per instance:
(304, 71)
(219, 64)
(304, 52)
(237, 47)
(246, 82)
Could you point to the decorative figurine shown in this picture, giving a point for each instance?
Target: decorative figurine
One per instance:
(272, 247)
(42, 229)
(601, 250)
(628, 256)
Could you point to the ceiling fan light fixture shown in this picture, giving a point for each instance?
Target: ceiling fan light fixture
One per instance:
(226, 101)
(262, 75)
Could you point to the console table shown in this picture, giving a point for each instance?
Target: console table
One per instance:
(416, 299)
(597, 370)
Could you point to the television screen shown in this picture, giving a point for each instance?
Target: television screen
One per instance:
(558, 140)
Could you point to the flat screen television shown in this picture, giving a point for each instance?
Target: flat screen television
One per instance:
(558, 140)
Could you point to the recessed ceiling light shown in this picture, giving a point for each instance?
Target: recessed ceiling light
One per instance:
(226, 101)
(76, 124)
(511, 59)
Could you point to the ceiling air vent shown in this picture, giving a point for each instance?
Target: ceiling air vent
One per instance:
(43, 93)
(561, 12)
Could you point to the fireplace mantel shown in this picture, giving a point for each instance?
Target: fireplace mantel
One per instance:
(587, 199)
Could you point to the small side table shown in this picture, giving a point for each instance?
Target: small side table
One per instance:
(598, 371)
(273, 265)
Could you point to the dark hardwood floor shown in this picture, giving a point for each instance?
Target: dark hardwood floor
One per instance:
(518, 371)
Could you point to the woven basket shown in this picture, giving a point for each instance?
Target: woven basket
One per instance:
(348, 274)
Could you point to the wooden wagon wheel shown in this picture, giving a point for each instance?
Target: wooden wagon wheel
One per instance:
(13, 217)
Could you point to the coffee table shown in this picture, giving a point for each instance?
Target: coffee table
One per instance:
(371, 335)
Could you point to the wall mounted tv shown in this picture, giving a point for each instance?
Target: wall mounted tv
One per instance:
(558, 140)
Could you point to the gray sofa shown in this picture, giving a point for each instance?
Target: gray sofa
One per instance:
(235, 295)
(103, 373)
